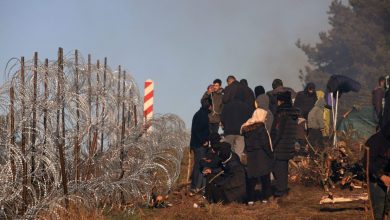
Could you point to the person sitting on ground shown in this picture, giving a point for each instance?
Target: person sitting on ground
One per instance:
(231, 185)
(258, 147)
(211, 165)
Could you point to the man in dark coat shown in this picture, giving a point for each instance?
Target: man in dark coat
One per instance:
(306, 99)
(379, 170)
(249, 96)
(231, 185)
(284, 135)
(232, 88)
(234, 114)
(277, 87)
(199, 142)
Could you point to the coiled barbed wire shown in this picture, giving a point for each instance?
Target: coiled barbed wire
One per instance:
(95, 114)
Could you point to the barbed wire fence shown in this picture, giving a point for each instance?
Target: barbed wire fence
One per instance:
(72, 132)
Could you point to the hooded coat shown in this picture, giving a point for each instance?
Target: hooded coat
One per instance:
(305, 101)
(273, 103)
(232, 184)
(200, 127)
(258, 145)
(316, 115)
(284, 132)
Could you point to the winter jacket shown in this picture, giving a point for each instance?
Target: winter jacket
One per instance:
(284, 132)
(379, 150)
(232, 182)
(249, 96)
(199, 128)
(216, 98)
(305, 101)
(262, 101)
(232, 90)
(234, 114)
(316, 115)
(273, 103)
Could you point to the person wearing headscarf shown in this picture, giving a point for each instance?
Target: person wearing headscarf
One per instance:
(258, 147)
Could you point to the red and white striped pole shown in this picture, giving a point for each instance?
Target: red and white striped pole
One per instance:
(148, 101)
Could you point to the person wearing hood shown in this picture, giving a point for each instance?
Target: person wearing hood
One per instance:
(249, 97)
(277, 87)
(233, 115)
(258, 147)
(378, 160)
(198, 143)
(315, 123)
(306, 99)
(284, 137)
(231, 185)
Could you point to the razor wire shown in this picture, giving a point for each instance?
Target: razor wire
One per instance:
(96, 114)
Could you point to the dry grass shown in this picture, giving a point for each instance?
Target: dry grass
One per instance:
(301, 203)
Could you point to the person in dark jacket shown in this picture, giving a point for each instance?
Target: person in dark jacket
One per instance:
(233, 87)
(379, 170)
(277, 87)
(284, 135)
(230, 186)
(306, 99)
(258, 147)
(211, 166)
(215, 93)
(234, 114)
(249, 96)
(198, 143)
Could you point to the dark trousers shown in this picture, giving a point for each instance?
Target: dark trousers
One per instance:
(214, 127)
(378, 197)
(198, 180)
(281, 177)
(265, 187)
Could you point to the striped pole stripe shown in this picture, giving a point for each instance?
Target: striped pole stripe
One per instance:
(148, 101)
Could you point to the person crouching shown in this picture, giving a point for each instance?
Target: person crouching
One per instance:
(231, 185)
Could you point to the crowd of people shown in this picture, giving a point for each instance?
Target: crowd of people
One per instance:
(261, 132)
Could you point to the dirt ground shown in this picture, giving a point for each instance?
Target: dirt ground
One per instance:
(301, 203)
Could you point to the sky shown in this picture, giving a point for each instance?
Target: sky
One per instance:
(182, 45)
